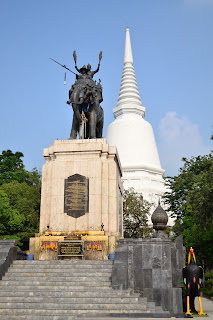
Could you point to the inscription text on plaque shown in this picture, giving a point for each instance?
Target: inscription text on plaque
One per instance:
(71, 248)
(76, 195)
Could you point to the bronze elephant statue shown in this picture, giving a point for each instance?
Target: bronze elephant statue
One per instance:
(85, 95)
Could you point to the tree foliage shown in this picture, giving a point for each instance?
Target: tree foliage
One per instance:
(12, 168)
(191, 203)
(135, 215)
(9, 219)
(19, 198)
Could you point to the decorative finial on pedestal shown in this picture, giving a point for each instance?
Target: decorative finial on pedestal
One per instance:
(102, 227)
(159, 219)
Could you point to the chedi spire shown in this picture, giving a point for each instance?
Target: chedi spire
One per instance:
(134, 138)
(129, 100)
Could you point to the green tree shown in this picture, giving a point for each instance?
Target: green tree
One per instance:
(11, 219)
(190, 202)
(12, 168)
(135, 215)
(19, 198)
(19, 210)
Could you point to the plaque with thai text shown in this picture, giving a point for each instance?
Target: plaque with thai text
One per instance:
(76, 196)
(71, 248)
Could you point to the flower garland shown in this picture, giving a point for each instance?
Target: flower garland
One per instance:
(45, 245)
(94, 245)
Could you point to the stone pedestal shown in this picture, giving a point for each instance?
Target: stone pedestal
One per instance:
(99, 164)
(81, 190)
(152, 267)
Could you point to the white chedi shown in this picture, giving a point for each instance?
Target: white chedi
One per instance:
(134, 138)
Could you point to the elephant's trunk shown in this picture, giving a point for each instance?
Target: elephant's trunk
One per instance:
(77, 112)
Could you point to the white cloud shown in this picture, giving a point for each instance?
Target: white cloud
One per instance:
(178, 137)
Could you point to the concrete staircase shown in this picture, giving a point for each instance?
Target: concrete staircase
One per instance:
(68, 290)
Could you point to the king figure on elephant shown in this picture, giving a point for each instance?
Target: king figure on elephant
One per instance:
(85, 96)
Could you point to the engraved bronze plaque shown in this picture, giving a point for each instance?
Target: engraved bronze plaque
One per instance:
(70, 248)
(76, 195)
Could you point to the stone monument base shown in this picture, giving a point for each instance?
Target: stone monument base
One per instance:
(81, 194)
(81, 187)
(97, 245)
(152, 267)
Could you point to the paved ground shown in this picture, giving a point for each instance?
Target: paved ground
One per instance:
(207, 307)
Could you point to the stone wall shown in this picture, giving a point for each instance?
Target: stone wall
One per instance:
(152, 267)
(8, 253)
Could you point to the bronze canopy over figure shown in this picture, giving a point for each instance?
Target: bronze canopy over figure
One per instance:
(85, 96)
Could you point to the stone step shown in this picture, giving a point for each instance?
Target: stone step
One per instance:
(60, 270)
(55, 263)
(50, 277)
(48, 287)
(129, 316)
(75, 267)
(63, 262)
(71, 300)
(77, 313)
(53, 292)
(87, 315)
(74, 307)
(55, 282)
(68, 290)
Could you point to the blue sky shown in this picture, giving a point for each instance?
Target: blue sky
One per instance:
(172, 48)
